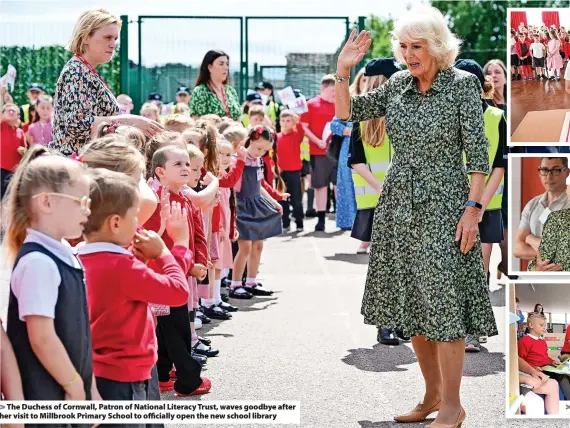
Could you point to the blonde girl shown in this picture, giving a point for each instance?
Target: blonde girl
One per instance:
(40, 131)
(48, 320)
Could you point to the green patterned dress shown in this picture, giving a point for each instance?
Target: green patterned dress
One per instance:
(418, 280)
(204, 101)
(555, 243)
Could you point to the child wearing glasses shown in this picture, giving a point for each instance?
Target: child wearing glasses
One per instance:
(48, 319)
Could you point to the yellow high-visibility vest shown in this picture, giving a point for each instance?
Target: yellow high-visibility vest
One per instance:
(305, 150)
(245, 119)
(26, 110)
(492, 118)
(377, 161)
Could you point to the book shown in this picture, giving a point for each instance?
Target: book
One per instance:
(563, 368)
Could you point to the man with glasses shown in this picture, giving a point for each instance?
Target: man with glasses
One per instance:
(553, 174)
(13, 144)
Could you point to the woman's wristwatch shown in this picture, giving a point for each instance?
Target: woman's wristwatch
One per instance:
(473, 204)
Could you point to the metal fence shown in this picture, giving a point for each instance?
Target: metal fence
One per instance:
(286, 51)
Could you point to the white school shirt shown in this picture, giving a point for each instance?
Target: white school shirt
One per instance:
(530, 217)
(536, 49)
(35, 279)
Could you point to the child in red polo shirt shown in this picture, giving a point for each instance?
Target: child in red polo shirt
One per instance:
(13, 144)
(121, 286)
(534, 350)
(289, 160)
(171, 166)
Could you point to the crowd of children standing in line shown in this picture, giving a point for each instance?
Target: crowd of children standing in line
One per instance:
(539, 53)
(162, 219)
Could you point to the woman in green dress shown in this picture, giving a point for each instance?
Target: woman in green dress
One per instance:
(213, 93)
(425, 274)
(555, 244)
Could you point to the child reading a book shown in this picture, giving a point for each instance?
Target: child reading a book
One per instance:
(534, 350)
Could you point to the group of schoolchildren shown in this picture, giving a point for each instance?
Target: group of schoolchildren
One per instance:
(538, 53)
(155, 223)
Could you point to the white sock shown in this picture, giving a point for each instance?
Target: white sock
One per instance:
(225, 273)
(217, 292)
(207, 302)
(236, 284)
(251, 281)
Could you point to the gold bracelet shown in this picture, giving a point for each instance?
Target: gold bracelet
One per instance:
(72, 381)
(341, 79)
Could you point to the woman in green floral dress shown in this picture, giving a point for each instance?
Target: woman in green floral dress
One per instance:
(425, 274)
(555, 243)
(212, 93)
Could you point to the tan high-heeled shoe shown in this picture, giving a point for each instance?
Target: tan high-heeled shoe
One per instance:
(417, 415)
(457, 424)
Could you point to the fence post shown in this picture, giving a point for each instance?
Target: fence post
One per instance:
(124, 54)
(245, 66)
(361, 26)
(140, 83)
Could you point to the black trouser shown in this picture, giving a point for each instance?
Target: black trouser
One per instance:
(175, 346)
(292, 181)
(5, 177)
(130, 391)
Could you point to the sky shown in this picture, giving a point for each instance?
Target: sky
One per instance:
(40, 23)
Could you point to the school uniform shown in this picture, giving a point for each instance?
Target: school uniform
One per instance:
(120, 290)
(173, 330)
(48, 280)
(290, 164)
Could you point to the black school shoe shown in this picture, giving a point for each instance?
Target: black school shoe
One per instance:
(201, 359)
(203, 317)
(227, 307)
(242, 295)
(204, 350)
(217, 313)
(225, 297)
(257, 290)
(387, 337)
(205, 341)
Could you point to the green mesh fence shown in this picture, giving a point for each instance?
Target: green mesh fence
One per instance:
(171, 50)
(293, 51)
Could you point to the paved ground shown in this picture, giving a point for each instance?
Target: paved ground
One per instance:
(308, 343)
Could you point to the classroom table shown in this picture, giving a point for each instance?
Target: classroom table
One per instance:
(540, 127)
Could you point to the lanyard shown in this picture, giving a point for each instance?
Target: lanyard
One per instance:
(224, 100)
(92, 70)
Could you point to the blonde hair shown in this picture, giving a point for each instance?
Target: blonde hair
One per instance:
(426, 23)
(178, 122)
(533, 316)
(256, 110)
(374, 130)
(180, 107)
(235, 135)
(214, 119)
(88, 23)
(226, 123)
(156, 142)
(209, 144)
(133, 135)
(160, 157)
(355, 87)
(39, 170)
(115, 153)
(194, 152)
(112, 194)
(150, 106)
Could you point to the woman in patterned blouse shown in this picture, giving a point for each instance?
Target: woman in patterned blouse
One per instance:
(213, 94)
(425, 273)
(82, 99)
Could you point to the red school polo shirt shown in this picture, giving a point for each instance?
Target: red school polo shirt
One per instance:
(566, 347)
(289, 149)
(534, 351)
(320, 113)
(11, 138)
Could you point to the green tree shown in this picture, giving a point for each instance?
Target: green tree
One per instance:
(380, 28)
